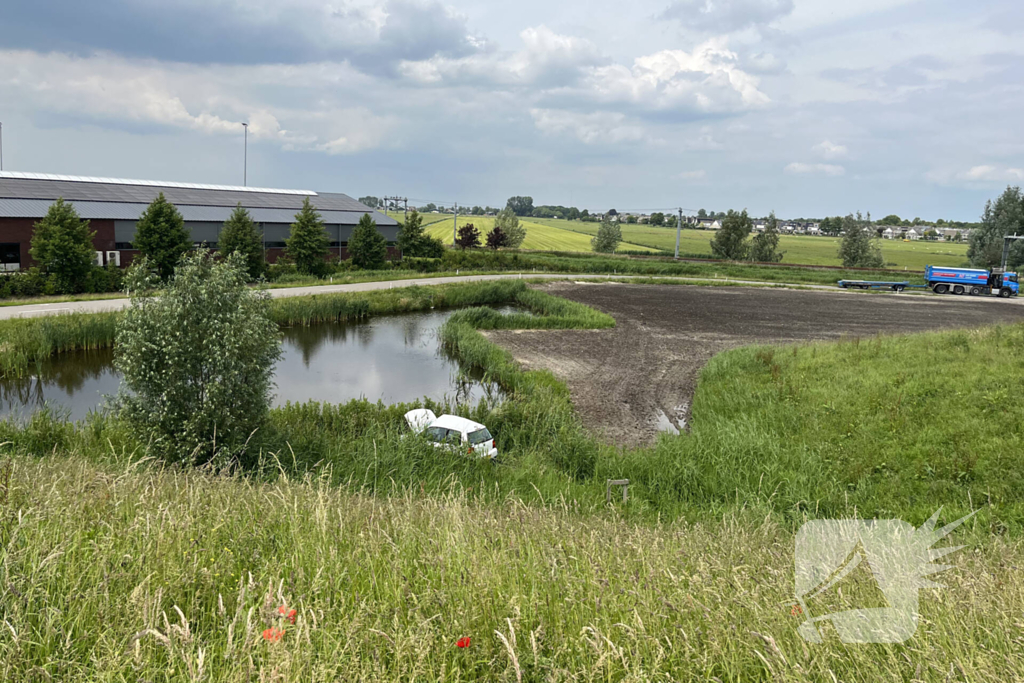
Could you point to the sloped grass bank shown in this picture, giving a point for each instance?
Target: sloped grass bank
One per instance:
(389, 551)
(128, 572)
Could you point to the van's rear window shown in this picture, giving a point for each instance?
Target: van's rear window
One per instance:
(479, 436)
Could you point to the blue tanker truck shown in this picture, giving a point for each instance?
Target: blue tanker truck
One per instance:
(971, 281)
(975, 282)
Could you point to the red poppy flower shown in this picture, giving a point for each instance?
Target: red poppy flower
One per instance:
(796, 610)
(286, 613)
(273, 635)
(463, 642)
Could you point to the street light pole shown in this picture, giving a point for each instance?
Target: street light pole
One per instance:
(245, 157)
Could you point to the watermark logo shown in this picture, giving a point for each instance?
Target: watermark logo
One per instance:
(879, 565)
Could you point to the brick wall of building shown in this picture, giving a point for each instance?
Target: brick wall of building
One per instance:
(19, 230)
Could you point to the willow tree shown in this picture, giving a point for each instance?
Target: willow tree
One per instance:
(197, 361)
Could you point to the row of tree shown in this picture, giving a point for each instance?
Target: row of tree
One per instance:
(62, 242)
(732, 243)
(859, 247)
(507, 232)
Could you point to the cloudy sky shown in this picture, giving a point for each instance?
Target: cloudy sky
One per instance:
(807, 107)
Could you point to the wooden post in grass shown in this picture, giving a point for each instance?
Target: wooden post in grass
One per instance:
(624, 483)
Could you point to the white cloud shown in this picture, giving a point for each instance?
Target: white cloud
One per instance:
(547, 58)
(707, 80)
(985, 174)
(589, 128)
(992, 173)
(705, 141)
(104, 87)
(355, 130)
(817, 169)
(118, 92)
(547, 50)
(830, 150)
(764, 63)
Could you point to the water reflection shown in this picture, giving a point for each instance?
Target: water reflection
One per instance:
(77, 382)
(391, 358)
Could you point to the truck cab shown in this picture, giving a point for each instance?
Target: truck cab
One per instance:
(1004, 284)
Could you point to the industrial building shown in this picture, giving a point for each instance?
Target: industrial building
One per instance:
(113, 206)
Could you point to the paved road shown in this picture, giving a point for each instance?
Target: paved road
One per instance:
(102, 305)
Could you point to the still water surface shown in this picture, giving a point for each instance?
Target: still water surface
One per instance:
(392, 358)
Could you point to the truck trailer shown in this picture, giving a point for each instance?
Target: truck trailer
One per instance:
(976, 282)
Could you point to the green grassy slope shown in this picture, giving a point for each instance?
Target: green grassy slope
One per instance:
(803, 249)
(121, 572)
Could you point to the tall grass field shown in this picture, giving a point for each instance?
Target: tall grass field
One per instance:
(802, 249)
(129, 572)
(391, 552)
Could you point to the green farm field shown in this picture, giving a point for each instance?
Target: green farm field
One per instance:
(803, 249)
(539, 236)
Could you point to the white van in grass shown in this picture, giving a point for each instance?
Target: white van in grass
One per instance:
(452, 432)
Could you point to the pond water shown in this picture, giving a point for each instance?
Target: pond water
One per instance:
(392, 358)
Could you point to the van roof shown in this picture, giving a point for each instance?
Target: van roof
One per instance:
(456, 422)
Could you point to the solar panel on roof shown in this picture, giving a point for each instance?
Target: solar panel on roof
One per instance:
(17, 175)
(37, 208)
(22, 186)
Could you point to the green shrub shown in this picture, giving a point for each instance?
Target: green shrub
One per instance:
(107, 279)
(422, 265)
(24, 284)
(197, 361)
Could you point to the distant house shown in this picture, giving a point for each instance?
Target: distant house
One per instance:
(912, 235)
(889, 233)
(709, 224)
(760, 226)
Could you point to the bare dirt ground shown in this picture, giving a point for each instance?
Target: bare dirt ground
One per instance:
(631, 381)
